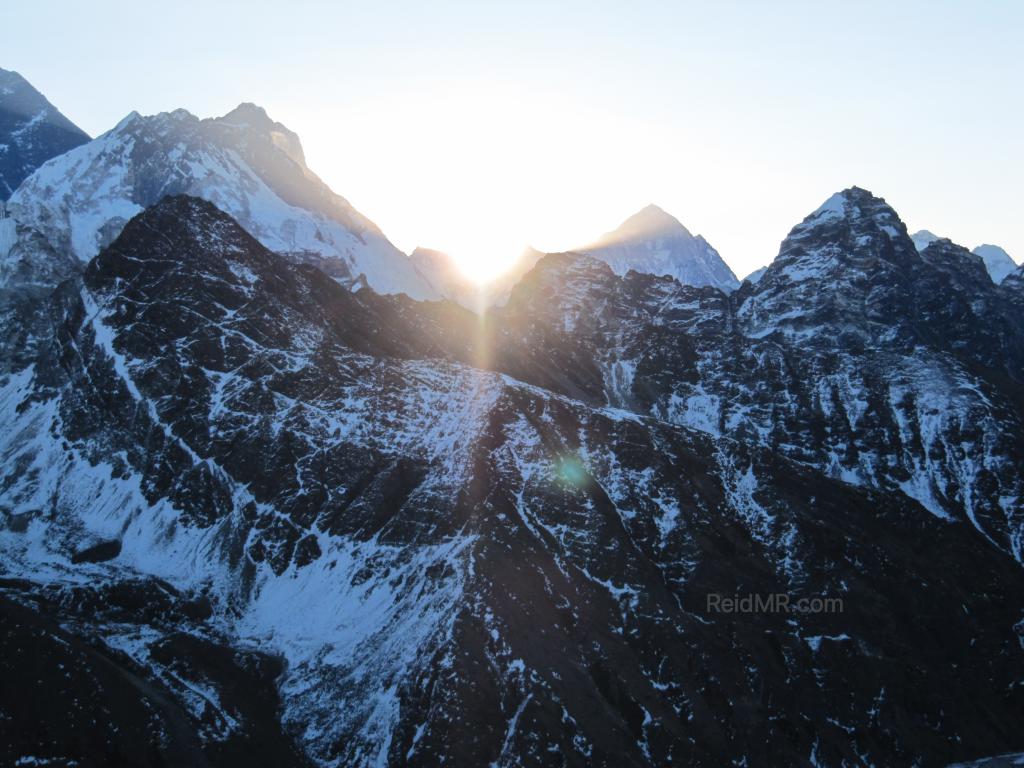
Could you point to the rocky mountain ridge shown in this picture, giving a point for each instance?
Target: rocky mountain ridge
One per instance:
(259, 505)
(483, 568)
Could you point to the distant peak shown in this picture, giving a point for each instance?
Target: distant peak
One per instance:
(248, 113)
(654, 216)
(998, 262)
(923, 238)
(989, 249)
(255, 118)
(652, 210)
(647, 222)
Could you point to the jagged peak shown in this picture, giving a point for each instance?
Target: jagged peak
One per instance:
(853, 202)
(946, 255)
(856, 206)
(853, 228)
(253, 117)
(161, 119)
(127, 120)
(248, 114)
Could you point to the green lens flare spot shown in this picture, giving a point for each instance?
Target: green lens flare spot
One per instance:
(571, 471)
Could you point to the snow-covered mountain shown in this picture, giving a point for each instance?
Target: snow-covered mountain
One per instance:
(243, 162)
(248, 516)
(32, 131)
(754, 276)
(450, 282)
(923, 238)
(997, 261)
(655, 243)
(853, 354)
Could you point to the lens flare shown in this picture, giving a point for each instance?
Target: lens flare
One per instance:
(571, 471)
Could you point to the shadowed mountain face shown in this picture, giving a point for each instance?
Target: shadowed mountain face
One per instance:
(410, 534)
(997, 262)
(32, 131)
(853, 354)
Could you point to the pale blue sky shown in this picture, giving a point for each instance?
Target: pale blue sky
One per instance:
(480, 127)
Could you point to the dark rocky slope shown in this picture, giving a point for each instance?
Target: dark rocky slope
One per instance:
(445, 561)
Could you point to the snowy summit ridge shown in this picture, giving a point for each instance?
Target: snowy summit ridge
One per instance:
(244, 163)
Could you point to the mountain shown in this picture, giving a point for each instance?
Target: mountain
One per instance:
(853, 354)
(449, 281)
(243, 162)
(250, 513)
(923, 238)
(754, 276)
(32, 131)
(655, 243)
(997, 261)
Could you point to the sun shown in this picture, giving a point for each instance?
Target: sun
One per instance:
(484, 260)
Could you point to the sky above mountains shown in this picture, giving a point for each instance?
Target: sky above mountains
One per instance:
(477, 130)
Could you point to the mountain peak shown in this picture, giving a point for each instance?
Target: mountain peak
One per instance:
(654, 242)
(853, 202)
(923, 238)
(249, 166)
(834, 257)
(32, 131)
(998, 262)
(648, 221)
(252, 117)
(859, 208)
(248, 114)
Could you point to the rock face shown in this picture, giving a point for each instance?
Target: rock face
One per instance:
(408, 534)
(997, 261)
(32, 131)
(243, 162)
(853, 354)
(655, 243)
